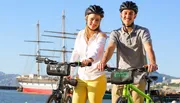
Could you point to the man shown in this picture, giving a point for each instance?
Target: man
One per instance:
(132, 43)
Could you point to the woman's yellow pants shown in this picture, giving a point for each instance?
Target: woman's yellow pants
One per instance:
(91, 90)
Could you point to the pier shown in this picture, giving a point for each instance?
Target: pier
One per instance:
(9, 87)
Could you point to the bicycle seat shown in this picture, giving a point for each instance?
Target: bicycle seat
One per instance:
(154, 78)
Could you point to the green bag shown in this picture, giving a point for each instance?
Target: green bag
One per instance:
(122, 76)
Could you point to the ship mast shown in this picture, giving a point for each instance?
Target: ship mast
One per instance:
(63, 50)
(38, 52)
(63, 33)
(38, 49)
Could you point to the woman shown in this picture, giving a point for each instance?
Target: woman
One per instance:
(89, 48)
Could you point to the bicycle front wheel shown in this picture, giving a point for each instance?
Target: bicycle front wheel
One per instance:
(69, 99)
(53, 99)
(121, 100)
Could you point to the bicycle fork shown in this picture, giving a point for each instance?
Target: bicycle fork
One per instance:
(127, 94)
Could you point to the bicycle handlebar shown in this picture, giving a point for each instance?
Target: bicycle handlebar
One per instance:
(58, 68)
(53, 62)
(142, 69)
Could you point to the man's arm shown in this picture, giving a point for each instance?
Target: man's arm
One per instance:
(151, 56)
(107, 55)
(96, 50)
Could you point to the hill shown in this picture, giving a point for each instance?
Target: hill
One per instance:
(8, 79)
(166, 77)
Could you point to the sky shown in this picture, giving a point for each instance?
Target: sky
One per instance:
(18, 19)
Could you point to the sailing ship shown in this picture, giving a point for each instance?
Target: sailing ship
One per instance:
(43, 84)
(36, 83)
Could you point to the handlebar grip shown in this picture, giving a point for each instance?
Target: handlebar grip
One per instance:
(89, 64)
(40, 58)
(107, 68)
(143, 69)
(74, 64)
(73, 82)
(45, 60)
(49, 61)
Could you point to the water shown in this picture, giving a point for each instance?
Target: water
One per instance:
(12, 96)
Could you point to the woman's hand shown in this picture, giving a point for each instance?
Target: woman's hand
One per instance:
(86, 62)
(68, 77)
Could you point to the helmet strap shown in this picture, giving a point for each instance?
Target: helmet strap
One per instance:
(129, 26)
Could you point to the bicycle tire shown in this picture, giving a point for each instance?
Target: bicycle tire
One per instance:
(69, 99)
(53, 99)
(121, 100)
(158, 101)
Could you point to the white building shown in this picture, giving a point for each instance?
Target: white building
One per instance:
(175, 81)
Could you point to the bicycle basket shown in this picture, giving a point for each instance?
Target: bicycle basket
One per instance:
(122, 76)
(58, 69)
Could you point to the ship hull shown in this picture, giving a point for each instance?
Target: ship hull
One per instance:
(36, 85)
(37, 91)
(38, 88)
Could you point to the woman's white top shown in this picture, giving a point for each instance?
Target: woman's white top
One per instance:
(93, 49)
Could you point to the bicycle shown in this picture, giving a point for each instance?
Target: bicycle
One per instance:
(63, 93)
(125, 77)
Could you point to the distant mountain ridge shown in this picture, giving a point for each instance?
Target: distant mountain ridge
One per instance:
(163, 76)
(10, 79)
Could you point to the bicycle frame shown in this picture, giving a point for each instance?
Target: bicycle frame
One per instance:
(126, 93)
(60, 86)
(61, 94)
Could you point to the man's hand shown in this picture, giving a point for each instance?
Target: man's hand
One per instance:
(152, 67)
(101, 66)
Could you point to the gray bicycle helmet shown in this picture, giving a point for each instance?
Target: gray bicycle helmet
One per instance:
(94, 9)
(129, 5)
